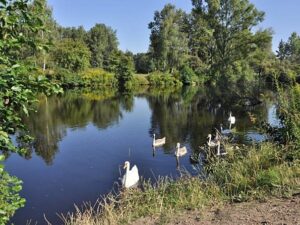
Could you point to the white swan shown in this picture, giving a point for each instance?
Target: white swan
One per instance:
(231, 119)
(211, 143)
(158, 142)
(131, 177)
(180, 151)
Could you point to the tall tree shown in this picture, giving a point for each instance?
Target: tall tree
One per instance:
(102, 41)
(293, 47)
(282, 50)
(122, 65)
(227, 24)
(169, 42)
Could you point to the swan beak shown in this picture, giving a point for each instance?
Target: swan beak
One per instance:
(125, 166)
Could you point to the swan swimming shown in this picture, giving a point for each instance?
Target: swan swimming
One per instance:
(180, 151)
(158, 142)
(131, 177)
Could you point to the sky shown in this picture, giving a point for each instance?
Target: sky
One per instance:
(130, 18)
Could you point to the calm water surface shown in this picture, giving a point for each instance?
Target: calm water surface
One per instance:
(83, 137)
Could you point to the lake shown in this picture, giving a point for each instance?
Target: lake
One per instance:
(83, 138)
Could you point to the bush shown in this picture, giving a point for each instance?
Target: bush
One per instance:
(88, 78)
(67, 78)
(140, 79)
(188, 76)
(98, 77)
(159, 79)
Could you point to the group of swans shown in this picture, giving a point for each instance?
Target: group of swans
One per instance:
(131, 176)
(180, 151)
(216, 142)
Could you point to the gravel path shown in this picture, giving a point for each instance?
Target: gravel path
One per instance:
(271, 212)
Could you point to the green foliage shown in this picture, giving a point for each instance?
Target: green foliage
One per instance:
(289, 109)
(72, 55)
(225, 39)
(10, 199)
(123, 67)
(94, 77)
(102, 42)
(90, 77)
(289, 55)
(143, 63)
(169, 44)
(255, 172)
(159, 79)
(73, 33)
(188, 76)
(17, 89)
(140, 79)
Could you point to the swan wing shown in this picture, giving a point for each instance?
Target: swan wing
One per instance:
(160, 141)
(135, 171)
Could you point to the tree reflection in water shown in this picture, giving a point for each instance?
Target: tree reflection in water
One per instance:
(184, 115)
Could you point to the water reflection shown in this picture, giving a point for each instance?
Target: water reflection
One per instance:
(182, 115)
(83, 136)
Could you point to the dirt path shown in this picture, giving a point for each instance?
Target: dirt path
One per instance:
(272, 212)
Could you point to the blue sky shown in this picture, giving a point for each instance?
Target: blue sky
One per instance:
(131, 17)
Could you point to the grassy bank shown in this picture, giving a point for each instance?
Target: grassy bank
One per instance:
(255, 172)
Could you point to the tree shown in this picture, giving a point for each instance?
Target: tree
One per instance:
(143, 63)
(227, 25)
(293, 48)
(16, 92)
(43, 38)
(123, 67)
(282, 50)
(73, 33)
(168, 41)
(72, 55)
(102, 41)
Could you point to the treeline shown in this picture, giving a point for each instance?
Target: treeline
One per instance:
(216, 42)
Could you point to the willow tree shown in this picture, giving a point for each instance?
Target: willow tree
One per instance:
(169, 42)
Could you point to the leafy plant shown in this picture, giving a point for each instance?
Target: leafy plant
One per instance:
(10, 199)
(17, 91)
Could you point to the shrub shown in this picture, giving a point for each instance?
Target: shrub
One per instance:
(140, 79)
(98, 77)
(188, 76)
(163, 80)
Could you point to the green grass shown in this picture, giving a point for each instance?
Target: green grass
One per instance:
(255, 172)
